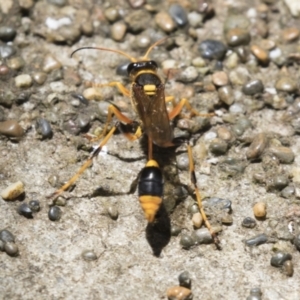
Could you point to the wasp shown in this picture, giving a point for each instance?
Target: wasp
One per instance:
(147, 94)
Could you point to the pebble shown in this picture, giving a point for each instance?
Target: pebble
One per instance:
(186, 241)
(225, 94)
(136, 3)
(92, 94)
(249, 222)
(290, 34)
(43, 128)
(226, 219)
(257, 146)
(237, 37)
(118, 31)
(16, 63)
(286, 84)
(11, 249)
(11, 128)
(257, 240)
(165, 22)
(138, 20)
(288, 268)
(284, 154)
(220, 78)
(296, 241)
(179, 293)
(195, 19)
(178, 14)
(185, 279)
(197, 220)
(224, 134)
(23, 81)
(255, 294)
(236, 21)
(218, 146)
(277, 56)
(288, 192)
(187, 75)
(6, 51)
(89, 255)
(13, 191)
(201, 236)
(260, 210)
(253, 87)
(261, 54)
(218, 203)
(54, 213)
(25, 210)
(50, 64)
(175, 230)
(111, 13)
(237, 108)
(212, 49)
(34, 205)
(279, 258)
(113, 212)
(1, 246)
(6, 236)
(7, 33)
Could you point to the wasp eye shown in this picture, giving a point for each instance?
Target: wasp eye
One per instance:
(131, 67)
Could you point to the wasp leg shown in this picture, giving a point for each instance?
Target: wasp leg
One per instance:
(198, 196)
(116, 84)
(177, 108)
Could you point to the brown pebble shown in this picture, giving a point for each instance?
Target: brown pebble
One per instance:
(197, 220)
(50, 63)
(261, 54)
(288, 268)
(118, 30)
(164, 21)
(237, 37)
(224, 134)
(11, 128)
(226, 94)
(267, 44)
(260, 210)
(179, 293)
(286, 84)
(4, 69)
(290, 34)
(39, 77)
(220, 78)
(257, 146)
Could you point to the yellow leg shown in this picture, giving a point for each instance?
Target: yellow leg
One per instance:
(116, 84)
(177, 108)
(198, 196)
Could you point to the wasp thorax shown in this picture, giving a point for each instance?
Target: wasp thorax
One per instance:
(136, 67)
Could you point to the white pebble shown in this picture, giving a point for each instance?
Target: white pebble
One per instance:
(23, 81)
(13, 191)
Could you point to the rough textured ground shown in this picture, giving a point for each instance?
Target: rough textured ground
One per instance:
(50, 265)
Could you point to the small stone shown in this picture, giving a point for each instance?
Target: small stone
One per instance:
(195, 19)
(257, 240)
(260, 210)
(288, 268)
(290, 34)
(218, 146)
(218, 203)
(187, 75)
(16, 63)
(136, 3)
(284, 154)
(253, 87)
(34, 205)
(39, 77)
(26, 4)
(179, 293)
(1, 246)
(111, 14)
(13, 191)
(255, 294)
(226, 94)
(92, 94)
(175, 230)
(220, 78)
(212, 49)
(89, 255)
(11, 249)
(113, 212)
(261, 54)
(224, 134)
(138, 20)
(288, 192)
(178, 14)
(226, 219)
(7, 51)
(236, 21)
(11, 128)
(279, 258)
(43, 127)
(202, 236)
(257, 146)
(23, 81)
(237, 37)
(185, 280)
(6, 236)
(286, 84)
(249, 222)
(50, 64)
(165, 22)
(7, 33)
(118, 31)
(296, 241)
(54, 213)
(186, 241)
(25, 210)
(197, 220)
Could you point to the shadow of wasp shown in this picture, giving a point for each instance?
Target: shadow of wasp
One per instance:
(147, 94)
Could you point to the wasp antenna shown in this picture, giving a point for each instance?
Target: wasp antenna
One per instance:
(145, 57)
(106, 49)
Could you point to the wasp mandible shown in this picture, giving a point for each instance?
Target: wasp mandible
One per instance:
(147, 94)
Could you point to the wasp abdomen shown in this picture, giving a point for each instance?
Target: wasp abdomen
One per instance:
(150, 189)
